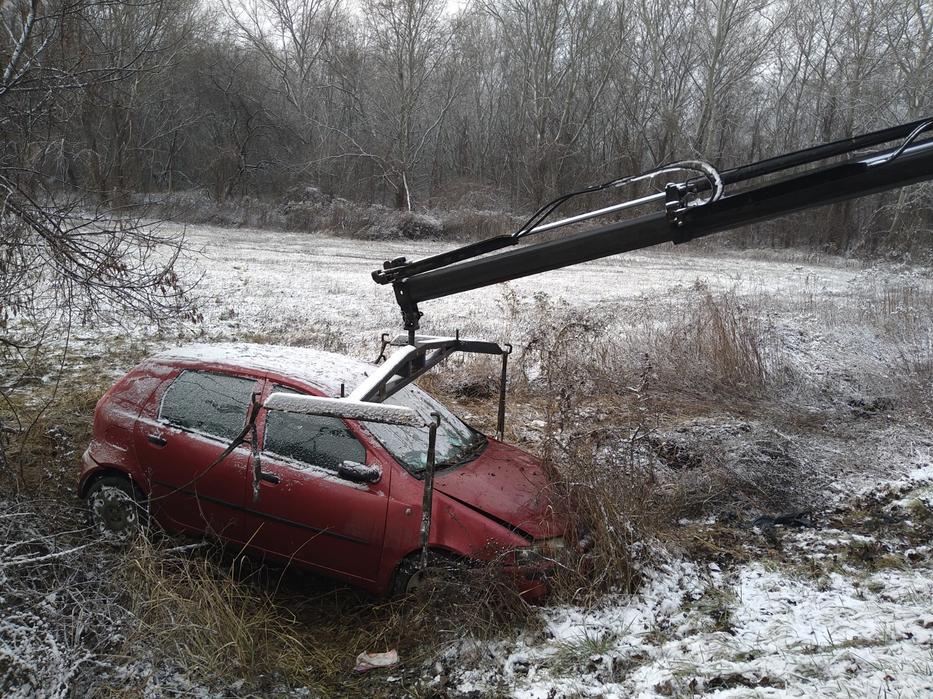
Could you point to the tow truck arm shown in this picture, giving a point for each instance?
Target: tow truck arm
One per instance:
(696, 207)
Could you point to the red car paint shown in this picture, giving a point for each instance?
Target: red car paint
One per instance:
(497, 502)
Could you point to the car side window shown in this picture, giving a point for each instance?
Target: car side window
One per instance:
(325, 442)
(215, 404)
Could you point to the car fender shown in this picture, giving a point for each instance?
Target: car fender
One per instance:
(456, 530)
(93, 469)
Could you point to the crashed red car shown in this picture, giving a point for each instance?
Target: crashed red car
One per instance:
(160, 426)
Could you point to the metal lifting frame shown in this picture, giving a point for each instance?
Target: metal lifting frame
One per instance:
(417, 355)
(684, 217)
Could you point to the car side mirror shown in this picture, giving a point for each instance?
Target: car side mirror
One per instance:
(359, 473)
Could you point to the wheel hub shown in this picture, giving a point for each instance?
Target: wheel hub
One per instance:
(114, 511)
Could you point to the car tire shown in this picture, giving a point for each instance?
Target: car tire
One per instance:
(115, 509)
(410, 579)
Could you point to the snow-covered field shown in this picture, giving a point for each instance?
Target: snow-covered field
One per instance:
(835, 608)
(289, 284)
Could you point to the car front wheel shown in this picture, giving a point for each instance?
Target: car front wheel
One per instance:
(410, 578)
(115, 509)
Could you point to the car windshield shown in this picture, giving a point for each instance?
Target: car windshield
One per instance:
(456, 444)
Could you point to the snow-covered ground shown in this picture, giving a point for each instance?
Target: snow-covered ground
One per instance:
(805, 616)
(767, 628)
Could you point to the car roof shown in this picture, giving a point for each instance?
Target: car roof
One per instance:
(323, 370)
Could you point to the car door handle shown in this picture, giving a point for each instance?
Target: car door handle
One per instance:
(270, 478)
(157, 439)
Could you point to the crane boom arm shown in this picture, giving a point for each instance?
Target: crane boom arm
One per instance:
(472, 266)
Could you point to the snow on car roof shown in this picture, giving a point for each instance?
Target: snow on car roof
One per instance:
(324, 370)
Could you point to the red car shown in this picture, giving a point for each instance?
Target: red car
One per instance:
(161, 425)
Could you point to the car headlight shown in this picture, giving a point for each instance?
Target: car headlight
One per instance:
(550, 547)
(527, 556)
(539, 551)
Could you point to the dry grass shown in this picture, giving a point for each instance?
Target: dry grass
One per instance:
(210, 622)
(905, 313)
(617, 508)
(47, 415)
(308, 209)
(684, 408)
(604, 387)
(715, 342)
(478, 224)
(893, 321)
(218, 617)
(192, 618)
(698, 344)
(323, 335)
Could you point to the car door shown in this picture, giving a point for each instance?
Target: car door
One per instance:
(198, 416)
(306, 512)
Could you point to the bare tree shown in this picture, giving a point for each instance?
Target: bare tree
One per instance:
(63, 258)
(407, 91)
(562, 55)
(909, 33)
(292, 36)
(733, 37)
(403, 100)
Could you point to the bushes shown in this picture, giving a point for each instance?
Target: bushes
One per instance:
(309, 209)
(607, 386)
(476, 224)
(409, 225)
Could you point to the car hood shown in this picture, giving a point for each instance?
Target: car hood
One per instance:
(509, 486)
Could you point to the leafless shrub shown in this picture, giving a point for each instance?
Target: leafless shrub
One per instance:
(466, 378)
(199, 207)
(902, 310)
(345, 218)
(689, 347)
(308, 209)
(79, 617)
(628, 488)
(404, 224)
(891, 319)
(60, 615)
(476, 597)
(711, 342)
(220, 619)
(607, 385)
(617, 506)
(915, 363)
(737, 467)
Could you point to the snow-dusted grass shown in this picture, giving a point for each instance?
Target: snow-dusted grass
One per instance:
(732, 386)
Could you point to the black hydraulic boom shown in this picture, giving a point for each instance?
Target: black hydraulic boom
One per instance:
(696, 207)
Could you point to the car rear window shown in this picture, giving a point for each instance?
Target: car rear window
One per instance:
(325, 442)
(215, 404)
